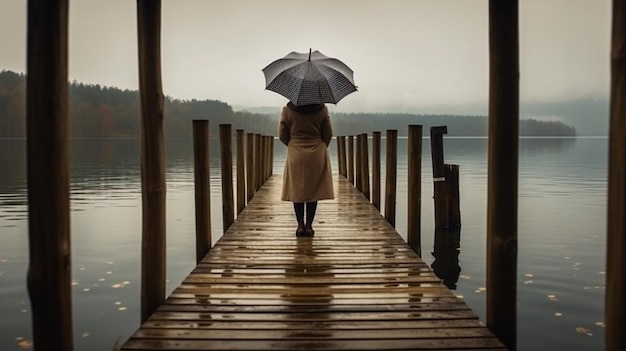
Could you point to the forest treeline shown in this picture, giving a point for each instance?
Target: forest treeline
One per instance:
(100, 111)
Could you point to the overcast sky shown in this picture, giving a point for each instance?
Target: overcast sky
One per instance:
(409, 55)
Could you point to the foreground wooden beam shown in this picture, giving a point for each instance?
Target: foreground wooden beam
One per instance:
(503, 170)
(49, 270)
(152, 157)
(615, 306)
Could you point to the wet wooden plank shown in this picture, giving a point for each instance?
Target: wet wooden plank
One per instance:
(356, 285)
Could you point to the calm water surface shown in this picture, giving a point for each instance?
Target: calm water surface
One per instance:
(562, 219)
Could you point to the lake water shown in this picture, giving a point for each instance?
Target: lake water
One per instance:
(562, 229)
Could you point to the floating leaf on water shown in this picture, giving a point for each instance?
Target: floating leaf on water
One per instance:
(4, 259)
(122, 308)
(601, 324)
(85, 334)
(526, 282)
(118, 303)
(101, 279)
(558, 314)
(583, 330)
(460, 296)
(75, 281)
(553, 297)
(529, 275)
(465, 276)
(126, 282)
(109, 272)
(86, 289)
(602, 272)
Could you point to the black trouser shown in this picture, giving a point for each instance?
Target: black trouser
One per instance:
(311, 207)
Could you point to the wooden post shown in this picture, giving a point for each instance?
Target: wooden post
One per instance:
(341, 155)
(271, 162)
(241, 173)
(250, 166)
(258, 162)
(202, 181)
(50, 265)
(226, 158)
(358, 169)
(439, 179)
(376, 170)
(351, 159)
(365, 168)
(414, 196)
(268, 157)
(502, 171)
(390, 181)
(153, 270)
(615, 305)
(452, 195)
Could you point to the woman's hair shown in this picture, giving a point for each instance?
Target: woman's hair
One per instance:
(305, 108)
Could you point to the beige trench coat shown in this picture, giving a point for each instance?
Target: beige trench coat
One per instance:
(307, 176)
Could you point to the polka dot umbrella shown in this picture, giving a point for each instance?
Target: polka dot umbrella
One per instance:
(309, 78)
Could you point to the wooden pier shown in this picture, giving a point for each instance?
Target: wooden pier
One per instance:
(356, 285)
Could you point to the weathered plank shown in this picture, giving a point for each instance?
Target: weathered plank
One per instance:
(356, 285)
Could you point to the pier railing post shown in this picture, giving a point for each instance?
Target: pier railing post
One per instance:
(241, 172)
(153, 268)
(365, 169)
(202, 185)
(226, 160)
(414, 195)
(390, 176)
(358, 164)
(250, 166)
(258, 161)
(502, 174)
(376, 170)
(341, 155)
(615, 306)
(50, 265)
(351, 159)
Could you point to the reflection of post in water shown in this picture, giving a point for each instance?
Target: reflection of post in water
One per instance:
(446, 253)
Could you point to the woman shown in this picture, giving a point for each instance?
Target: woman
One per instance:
(307, 132)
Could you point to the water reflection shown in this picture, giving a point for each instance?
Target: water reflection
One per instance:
(446, 252)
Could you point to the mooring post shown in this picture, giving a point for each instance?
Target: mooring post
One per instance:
(50, 265)
(153, 268)
(615, 306)
(452, 195)
(502, 174)
(226, 160)
(414, 196)
(439, 177)
(376, 170)
(241, 172)
(390, 176)
(202, 185)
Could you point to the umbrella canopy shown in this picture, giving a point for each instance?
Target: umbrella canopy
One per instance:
(309, 78)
